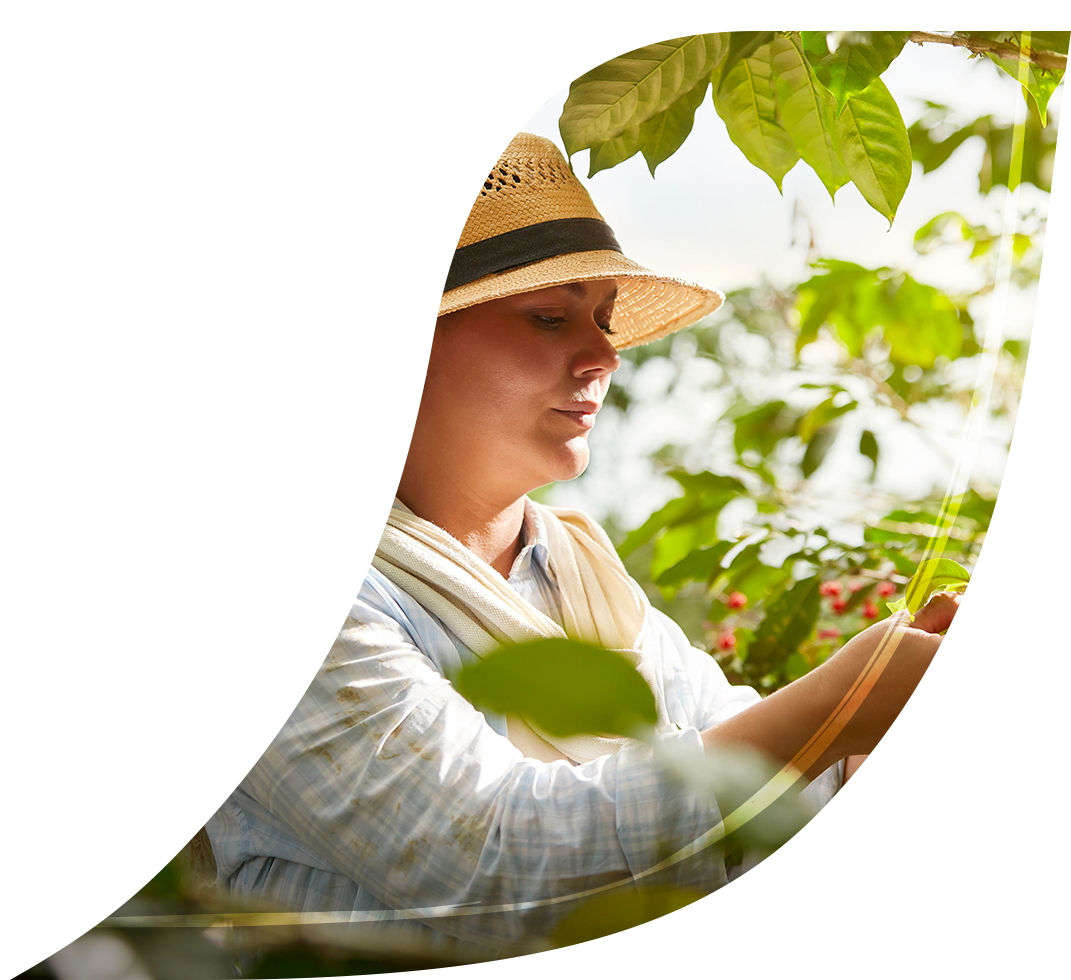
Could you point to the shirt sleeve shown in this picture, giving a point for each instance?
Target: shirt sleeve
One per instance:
(395, 781)
(708, 698)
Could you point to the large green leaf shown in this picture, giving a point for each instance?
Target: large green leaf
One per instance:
(562, 686)
(663, 134)
(604, 929)
(806, 112)
(789, 621)
(627, 91)
(1039, 83)
(742, 44)
(746, 100)
(858, 60)
(872, 142)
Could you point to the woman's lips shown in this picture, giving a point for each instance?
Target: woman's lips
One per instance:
(582, 413)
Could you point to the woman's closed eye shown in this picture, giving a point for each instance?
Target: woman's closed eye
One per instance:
(549, 322)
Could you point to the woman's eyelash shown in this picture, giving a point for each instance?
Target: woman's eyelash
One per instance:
(553, 321)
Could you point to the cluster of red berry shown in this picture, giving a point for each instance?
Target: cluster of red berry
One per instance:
(832, 589)
(1055, 631)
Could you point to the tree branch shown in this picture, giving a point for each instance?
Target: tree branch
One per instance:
(1049, 60)
(1059, 559)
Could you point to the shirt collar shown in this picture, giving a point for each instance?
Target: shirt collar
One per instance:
(534, 542)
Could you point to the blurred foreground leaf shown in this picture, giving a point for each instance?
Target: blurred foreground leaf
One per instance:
(604, 930)
(564, 687)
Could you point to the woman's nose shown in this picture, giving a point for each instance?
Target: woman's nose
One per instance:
(597, 356)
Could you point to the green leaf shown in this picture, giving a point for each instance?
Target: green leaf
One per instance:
(1050, 41)
(868, 446)
(932, 153)
(917, 321)
(873, 145)
(872, 142)
(1059, 513)
(746, 100)
(604, 930)
(822, 413)
(806, 112)
(1040, 84)
(857, 62)
(789, 621)
(663, 134)
(627, 91)
(932, 575)
(817, 448)
(563, 687)
(704, 494)
(742, 44)
(701, 565)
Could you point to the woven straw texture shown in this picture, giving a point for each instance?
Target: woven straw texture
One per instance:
(533, 183)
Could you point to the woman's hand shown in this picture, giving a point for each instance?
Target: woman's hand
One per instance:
(854, 696)
(899, 652)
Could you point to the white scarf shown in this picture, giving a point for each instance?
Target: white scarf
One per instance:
(600, 604)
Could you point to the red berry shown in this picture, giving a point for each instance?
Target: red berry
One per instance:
(830, 588)
(870, 610)
(727, 640)
(737, 600)
(830, 634)
(886, 589)
(839, 605)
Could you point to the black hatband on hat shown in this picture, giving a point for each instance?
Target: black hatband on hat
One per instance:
(522, 246)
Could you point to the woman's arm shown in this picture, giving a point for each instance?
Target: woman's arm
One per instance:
(841, 702)
(851, 765)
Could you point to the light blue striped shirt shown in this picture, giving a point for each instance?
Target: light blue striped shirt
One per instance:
(387, 795)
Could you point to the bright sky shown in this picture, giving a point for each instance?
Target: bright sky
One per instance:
(711, 217)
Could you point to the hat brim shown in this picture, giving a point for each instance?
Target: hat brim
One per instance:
(648, 306)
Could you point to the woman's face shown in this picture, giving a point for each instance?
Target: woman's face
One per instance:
(514, 384)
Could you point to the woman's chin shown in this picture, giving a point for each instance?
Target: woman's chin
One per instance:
(573, 462)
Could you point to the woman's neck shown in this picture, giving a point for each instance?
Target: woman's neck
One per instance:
(490, 530)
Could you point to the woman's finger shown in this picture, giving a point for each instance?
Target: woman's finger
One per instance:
(937, 615)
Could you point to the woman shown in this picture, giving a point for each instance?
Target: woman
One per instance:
(389, 797)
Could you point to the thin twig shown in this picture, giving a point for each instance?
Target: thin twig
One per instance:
(1049, 60)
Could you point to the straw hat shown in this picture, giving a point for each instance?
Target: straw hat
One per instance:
(534, 225)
